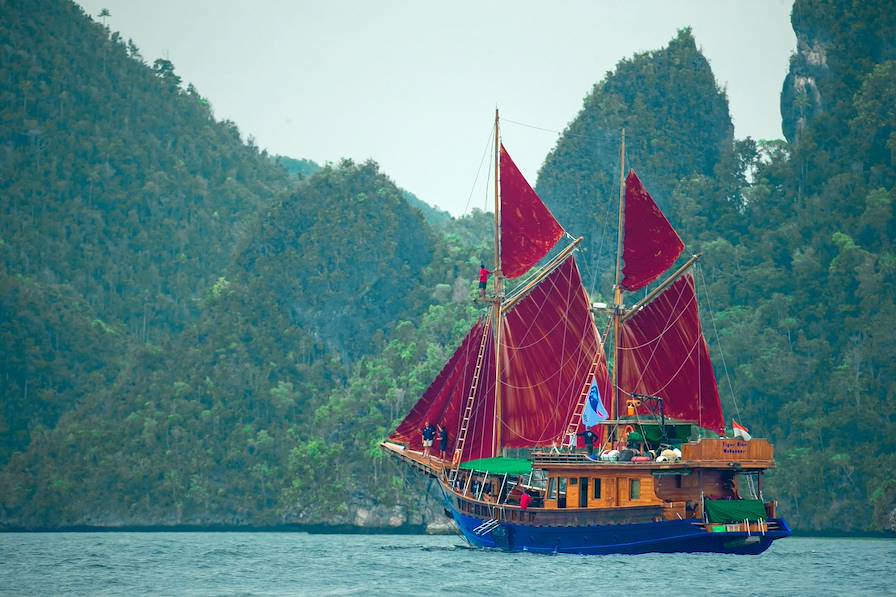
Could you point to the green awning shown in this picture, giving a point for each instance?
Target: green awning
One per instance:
(731, 511)
(499, 466)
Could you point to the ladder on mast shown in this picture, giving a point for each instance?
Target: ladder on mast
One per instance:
(580, 406)
(468, 411)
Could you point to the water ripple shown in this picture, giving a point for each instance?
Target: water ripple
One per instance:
(277, 564)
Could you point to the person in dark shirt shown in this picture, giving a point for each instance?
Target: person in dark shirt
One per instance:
(589, 438)
(443, 442)
(429, 433)
(483, 279)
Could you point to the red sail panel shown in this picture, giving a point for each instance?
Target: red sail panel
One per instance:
(528, 230)
(548, 346)
(662, 352)
(444, 400)
(650, 244)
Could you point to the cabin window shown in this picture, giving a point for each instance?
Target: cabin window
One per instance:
(573, 481)
(596, 493)
(678, 481)
(561, 492)
(635, 492)
(552, 489)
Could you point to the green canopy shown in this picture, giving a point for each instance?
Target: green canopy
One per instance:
(731, 511)
(499, 466)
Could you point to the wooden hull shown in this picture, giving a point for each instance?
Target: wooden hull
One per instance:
(611, 531)
(651, 525)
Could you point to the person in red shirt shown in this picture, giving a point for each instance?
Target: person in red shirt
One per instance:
(483, 279)
(525, 499)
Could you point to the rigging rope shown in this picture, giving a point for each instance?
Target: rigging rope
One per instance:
(719, 342)
(479, 170)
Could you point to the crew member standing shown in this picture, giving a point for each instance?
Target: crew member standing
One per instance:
(483, 279)
(443, 442)
(429, 433)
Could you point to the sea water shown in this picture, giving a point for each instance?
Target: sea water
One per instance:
(269, 563)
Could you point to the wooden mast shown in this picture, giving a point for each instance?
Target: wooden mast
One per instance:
(499, 291)
(617, 293)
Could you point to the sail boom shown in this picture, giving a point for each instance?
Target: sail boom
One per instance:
(546, 271)
(659, 289)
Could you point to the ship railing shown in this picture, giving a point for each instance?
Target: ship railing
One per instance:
(750, 527)
(552, 457)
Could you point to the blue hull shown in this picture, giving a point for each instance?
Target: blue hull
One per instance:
(650, 537)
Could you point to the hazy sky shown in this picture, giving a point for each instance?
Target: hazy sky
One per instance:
(414, 85)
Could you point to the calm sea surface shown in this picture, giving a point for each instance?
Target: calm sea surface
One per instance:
(301, 564)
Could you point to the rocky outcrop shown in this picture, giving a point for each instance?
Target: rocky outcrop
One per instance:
(801, 100)
(838, 43)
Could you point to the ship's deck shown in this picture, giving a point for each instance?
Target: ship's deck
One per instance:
(432, 465)
(753, 456)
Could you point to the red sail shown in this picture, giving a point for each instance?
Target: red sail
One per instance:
(444, 400)
(548, 345)
(663, 353)
(528, 230)
(651, 245)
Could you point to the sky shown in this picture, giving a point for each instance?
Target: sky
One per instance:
(414, 85)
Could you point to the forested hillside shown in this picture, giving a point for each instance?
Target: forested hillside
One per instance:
(174, 305)
(115, 179)
(676, 125)
(202, 432)
(798, 274)
(194, 332)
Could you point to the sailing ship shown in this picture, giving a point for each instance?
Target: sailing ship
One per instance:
(517, 393)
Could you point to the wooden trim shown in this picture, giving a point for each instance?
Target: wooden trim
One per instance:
(728, 450)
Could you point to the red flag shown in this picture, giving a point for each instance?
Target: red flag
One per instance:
(528, 230)
(651, 245)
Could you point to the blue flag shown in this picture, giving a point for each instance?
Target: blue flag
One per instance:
(594, 411)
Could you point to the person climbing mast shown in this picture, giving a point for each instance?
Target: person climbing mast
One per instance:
(483, 279)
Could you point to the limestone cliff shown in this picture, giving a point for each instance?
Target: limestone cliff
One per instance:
(838, 43)
(801, 101)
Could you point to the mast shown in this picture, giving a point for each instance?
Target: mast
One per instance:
(617, 292)
(499, 289)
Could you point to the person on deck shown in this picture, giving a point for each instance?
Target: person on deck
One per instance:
(443, 442)
(525, 499)
(483, 279)
(589, 438)
(429, 433)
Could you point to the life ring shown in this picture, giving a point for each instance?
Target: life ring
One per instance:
(456, 459)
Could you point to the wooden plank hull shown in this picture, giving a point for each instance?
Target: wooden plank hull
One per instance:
(598, 532)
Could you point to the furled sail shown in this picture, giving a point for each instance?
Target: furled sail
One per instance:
(549, 343)
(650, 244)
(528, 230)
(662, 352)
(444, 400)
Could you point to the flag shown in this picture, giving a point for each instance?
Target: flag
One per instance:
(740, 431)
(594, 411)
